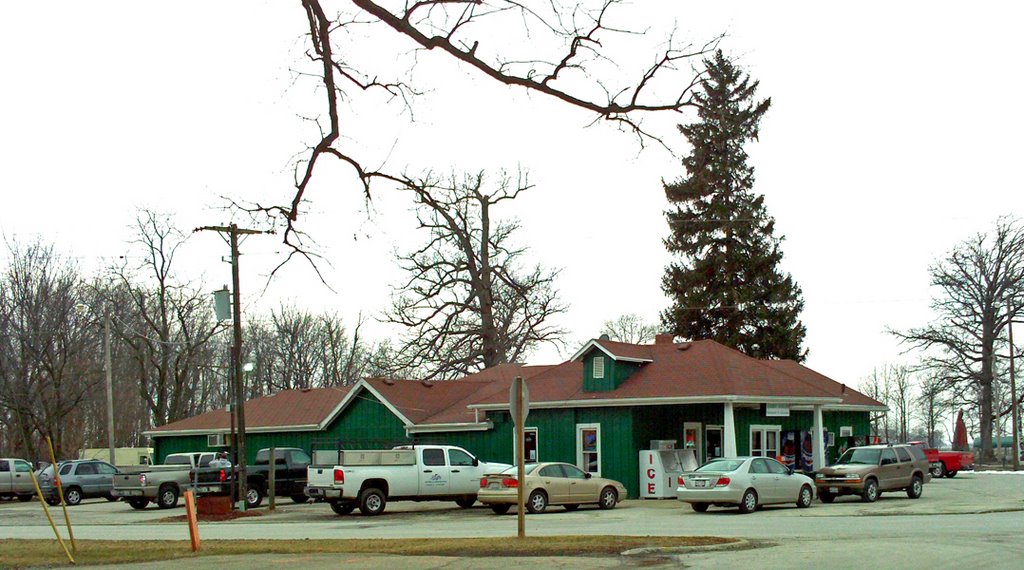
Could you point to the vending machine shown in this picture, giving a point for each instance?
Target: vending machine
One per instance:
(660, 468)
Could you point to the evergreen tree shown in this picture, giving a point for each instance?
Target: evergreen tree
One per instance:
(725, 283)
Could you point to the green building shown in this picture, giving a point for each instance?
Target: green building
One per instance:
(597, 411)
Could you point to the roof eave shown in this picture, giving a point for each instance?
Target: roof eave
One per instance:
(659, 401)
(594, 343)
(461, 426)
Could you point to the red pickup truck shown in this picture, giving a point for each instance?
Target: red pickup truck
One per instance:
(946, 463)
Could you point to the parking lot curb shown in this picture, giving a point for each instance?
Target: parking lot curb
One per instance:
(737, 543)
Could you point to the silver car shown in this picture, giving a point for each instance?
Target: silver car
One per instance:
(746, 482)
(80, 479)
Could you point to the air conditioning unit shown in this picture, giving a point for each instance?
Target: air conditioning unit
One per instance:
(218, 440)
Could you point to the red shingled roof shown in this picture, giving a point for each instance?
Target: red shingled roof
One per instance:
(694, 369)
(850, 396)
(287, 408)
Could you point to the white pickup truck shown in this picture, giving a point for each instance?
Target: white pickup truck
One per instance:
(16, 479)
(368, 479)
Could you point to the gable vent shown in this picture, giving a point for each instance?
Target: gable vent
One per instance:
(598, 367)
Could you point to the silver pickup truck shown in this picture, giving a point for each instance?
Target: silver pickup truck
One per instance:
(16, 479)
(161, 484)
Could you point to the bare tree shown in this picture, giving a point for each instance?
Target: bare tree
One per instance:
(630, 328)
(169, 325)
(44, 346)
(932, 405)
(975, 283)
(565, 52)
(468, 303)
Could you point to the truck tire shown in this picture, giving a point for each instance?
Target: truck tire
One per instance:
(870, 494)
(466, 503)
(342, 509)
(537, 502)
(916, 487)
(25, 498)
(938, 470)
(372, 502)
(826, 497)
(951, 474)
(138, 504)
(253, 496)
(167, 497)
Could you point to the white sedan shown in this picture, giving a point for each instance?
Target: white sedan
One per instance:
(746, 482)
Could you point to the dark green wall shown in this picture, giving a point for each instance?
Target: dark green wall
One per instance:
(615, 372)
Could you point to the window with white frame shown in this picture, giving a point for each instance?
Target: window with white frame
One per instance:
(764, 441)
(598, 367)
(588, 448)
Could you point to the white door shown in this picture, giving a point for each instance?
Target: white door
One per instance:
(588, 448)
(465, 478)
(23, 477)
(434, 472)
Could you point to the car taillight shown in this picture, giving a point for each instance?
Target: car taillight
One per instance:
(483, 482)
(723, 481)
(339, 477)
(223, 476)
(679, 481)
(510, 482)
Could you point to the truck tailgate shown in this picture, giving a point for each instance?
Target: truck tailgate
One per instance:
(320, 476)
(126, 481)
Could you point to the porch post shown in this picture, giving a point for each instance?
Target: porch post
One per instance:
(818, 449)
(728, 432)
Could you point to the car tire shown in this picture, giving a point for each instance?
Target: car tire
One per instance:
(537, 502)
(700, 507)
(916, 487)
(466, 503)
(501, 509)
(571, 507)
(748, 503)
(870, 494)
(372, 502)
(253, 496)
(826, 497)
(951, 474)
(167, 497)
(25, 498)
(342, 509)
(138, 504)
(938, 470)
(72, 496)
(805, 498)
(609, 498)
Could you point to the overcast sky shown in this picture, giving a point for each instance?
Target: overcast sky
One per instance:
(892, 136)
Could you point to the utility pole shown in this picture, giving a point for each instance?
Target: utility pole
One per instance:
(1014, 402)
(110, 384)
(233, 231)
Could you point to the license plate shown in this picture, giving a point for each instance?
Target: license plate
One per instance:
(132, 493)
(207, 489)
(494, 485)
(700, 483)
(833, 489)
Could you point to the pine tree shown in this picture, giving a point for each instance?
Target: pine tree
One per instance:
(725, 283)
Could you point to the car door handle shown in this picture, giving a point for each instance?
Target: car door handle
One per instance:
(456, 471)
(428, 471)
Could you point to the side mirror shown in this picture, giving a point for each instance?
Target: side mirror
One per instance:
(790, 469)
(476, 462)
(587, 475)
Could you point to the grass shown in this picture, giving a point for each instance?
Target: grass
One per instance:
(19, 553)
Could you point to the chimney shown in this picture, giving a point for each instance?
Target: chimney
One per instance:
(664, 338)
(844, 389)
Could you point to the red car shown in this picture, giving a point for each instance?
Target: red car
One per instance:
(946, 463)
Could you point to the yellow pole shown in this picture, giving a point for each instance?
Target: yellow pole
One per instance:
(53, 525)
(60, 493)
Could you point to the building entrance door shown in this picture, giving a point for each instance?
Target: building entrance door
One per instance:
(713, 439)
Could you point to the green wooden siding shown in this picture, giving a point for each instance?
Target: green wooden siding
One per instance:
(615, 372)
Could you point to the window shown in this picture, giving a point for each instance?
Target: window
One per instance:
(903, 454)
(888, 456)
(776, 467)
(759, 466)
(66, 468)
(551, 471)
(598, 367)
(434, 457)
(764, 441)
(588, 448)
(86, 469)
(918, 453)
(300, 457)
(205, 459)
(4, 466)
(573, 472)
(459, 458)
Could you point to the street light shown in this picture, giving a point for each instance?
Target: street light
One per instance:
(110, 383)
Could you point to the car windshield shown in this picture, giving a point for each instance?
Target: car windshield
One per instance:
(860, 455)
(515, 470)
(721, 465)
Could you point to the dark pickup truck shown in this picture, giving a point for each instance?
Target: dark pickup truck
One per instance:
(289, 477)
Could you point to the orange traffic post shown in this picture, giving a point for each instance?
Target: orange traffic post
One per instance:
(53, 525)
(60, 493)
(193, 524)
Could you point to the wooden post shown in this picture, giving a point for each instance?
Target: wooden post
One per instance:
(520, 459)
(60, 493)
(193, 524)
(273, 477)
(53, 525)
